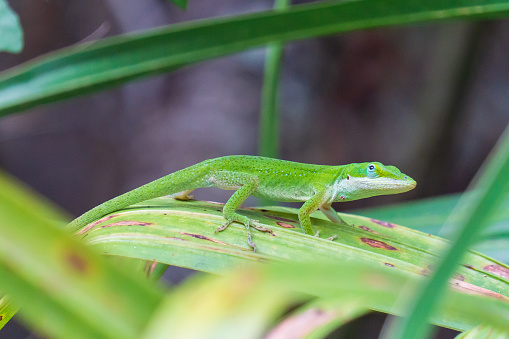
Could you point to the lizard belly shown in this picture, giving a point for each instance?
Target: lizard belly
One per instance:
(292, 194)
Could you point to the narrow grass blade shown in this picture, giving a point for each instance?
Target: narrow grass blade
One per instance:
(473, 212)
(83, 69)
(269, 117)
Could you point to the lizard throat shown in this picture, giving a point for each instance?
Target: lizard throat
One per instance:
(355, 188)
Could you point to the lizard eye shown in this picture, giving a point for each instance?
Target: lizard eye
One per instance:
(371, 170)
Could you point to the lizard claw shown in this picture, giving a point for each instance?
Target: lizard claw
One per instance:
(332, 238)
(251, 244)
(223, 226)
(253, 224)
(249, 240)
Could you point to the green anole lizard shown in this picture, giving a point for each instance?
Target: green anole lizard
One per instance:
(316, 185)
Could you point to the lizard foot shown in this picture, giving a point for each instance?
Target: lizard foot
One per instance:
(183, 196)
(249, 240)
(317, 234)
(248, 223)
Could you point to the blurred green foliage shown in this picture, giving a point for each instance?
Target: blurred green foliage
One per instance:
(65, 288)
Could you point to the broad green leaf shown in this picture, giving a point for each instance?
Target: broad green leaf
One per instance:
(64, 288)
(483, 332)
(10, 30)
(181, 233)
(83, 69)
(472, 211)
(317, 318)
(429, 215)
(245, 303)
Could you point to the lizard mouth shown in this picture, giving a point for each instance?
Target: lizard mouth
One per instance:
(394, 185)
(384, 185)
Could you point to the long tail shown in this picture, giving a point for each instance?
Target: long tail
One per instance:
(189, 178)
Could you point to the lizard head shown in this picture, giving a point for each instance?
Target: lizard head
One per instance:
(369, 179)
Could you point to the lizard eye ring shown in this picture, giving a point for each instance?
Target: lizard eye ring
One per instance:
(371, 170)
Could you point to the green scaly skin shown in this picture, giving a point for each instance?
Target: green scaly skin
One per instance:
(316, 185)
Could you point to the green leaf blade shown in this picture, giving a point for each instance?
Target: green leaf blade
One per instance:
(182, 233)
(10, 29)
(245, 302)
(80, 70)
(55, 278)
(473, 211)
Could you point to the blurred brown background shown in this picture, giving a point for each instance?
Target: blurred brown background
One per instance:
(429, 99)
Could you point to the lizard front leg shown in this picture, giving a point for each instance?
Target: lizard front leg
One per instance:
(333, 216)
(248, 183)
(309, 207)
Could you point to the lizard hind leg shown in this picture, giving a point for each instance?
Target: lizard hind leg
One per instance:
(184, 195)
(333, 216)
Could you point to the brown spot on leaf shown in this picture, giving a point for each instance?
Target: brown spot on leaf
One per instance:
(95, 223)
(176, 238)
(469, 266)
(199, 236)
(279, 218)
(424, 271)
(77, 262)
(383, 223)
(285, 225)
(498, 270)
(128, 223)
(388, 264)
(299, 325)
(264, 210)
(1, 317)
(151, 268)
(378, 244)
(473, 289)
(459, 277)
(365, 228)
